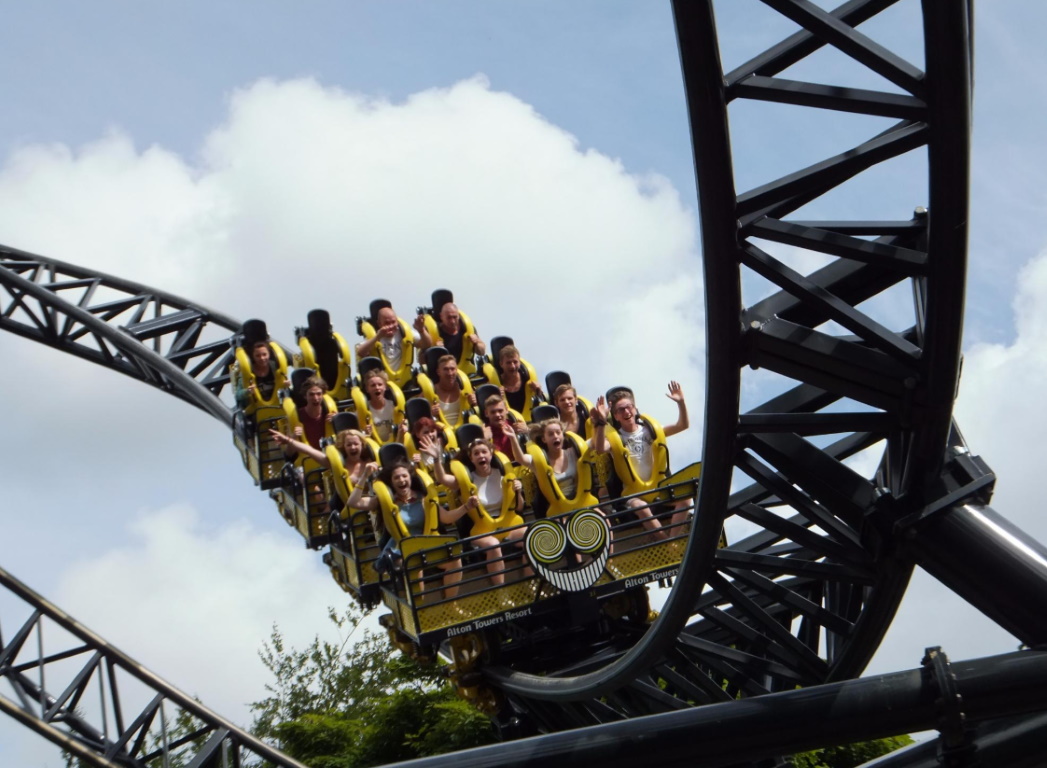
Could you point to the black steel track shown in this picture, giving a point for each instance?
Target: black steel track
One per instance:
(807, 599)
(102, 706)
(150, 335)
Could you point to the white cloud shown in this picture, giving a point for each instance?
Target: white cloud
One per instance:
(1000, 413)
(1000, 407)
(194, 601)
(308, 197)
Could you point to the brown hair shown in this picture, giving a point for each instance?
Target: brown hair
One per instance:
(312, 382)
(507, 351)
(562, 389)
(537, 431)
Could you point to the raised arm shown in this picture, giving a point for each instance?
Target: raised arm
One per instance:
(356, 499)
(519, 455)
(431, 447)
(424, 339)
(298, 446)
(598, 416)
(682, 422)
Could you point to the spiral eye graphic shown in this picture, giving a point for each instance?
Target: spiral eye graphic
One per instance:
(588, 534)
(546, 542)
(587, 531)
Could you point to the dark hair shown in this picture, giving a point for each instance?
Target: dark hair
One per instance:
(465, 452)
(386, 476)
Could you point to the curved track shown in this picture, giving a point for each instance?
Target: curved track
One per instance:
(806, 598)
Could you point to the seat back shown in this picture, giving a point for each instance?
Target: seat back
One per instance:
(298, 378)
(483, 392)
(466, 433)
(390, 453)
(345, 420)
(544, 411)
(416, 408)
(431, 356)
(498, 343)
(554, 379)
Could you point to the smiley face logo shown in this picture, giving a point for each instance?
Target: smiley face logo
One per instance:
(586, 537)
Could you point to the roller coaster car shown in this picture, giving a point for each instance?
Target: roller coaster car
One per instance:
(304, 484)
(324, 350)
(359, 398)
(585, 489)
(571, 585)
(492, 370)
(257, 414)
(467, 358)
(427, 378)
(367, 327)
(302, 499)
(626, 480)
(354, 542)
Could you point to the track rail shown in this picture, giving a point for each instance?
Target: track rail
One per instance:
(150, 335)
(806, 599)
(100, 705)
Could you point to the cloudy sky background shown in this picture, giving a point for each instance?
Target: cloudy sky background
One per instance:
(532, 157)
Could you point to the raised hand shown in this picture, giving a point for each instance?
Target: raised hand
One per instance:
(599, 412)
(429, 446)
(675, 392)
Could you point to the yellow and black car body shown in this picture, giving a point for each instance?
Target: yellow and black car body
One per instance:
(255, 414)
(326, 351)
(626, 469)
(363, 411)
(585, 491)
(431, 317)
(487, 521)
(354, 540)
(402, 375)
(427, 386)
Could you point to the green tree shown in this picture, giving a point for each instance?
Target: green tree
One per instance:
(358, 702)
(849, 755)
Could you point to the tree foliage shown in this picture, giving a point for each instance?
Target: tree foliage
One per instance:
(849, 755)
(358, 703)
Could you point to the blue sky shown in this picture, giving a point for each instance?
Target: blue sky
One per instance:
(200, 147)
